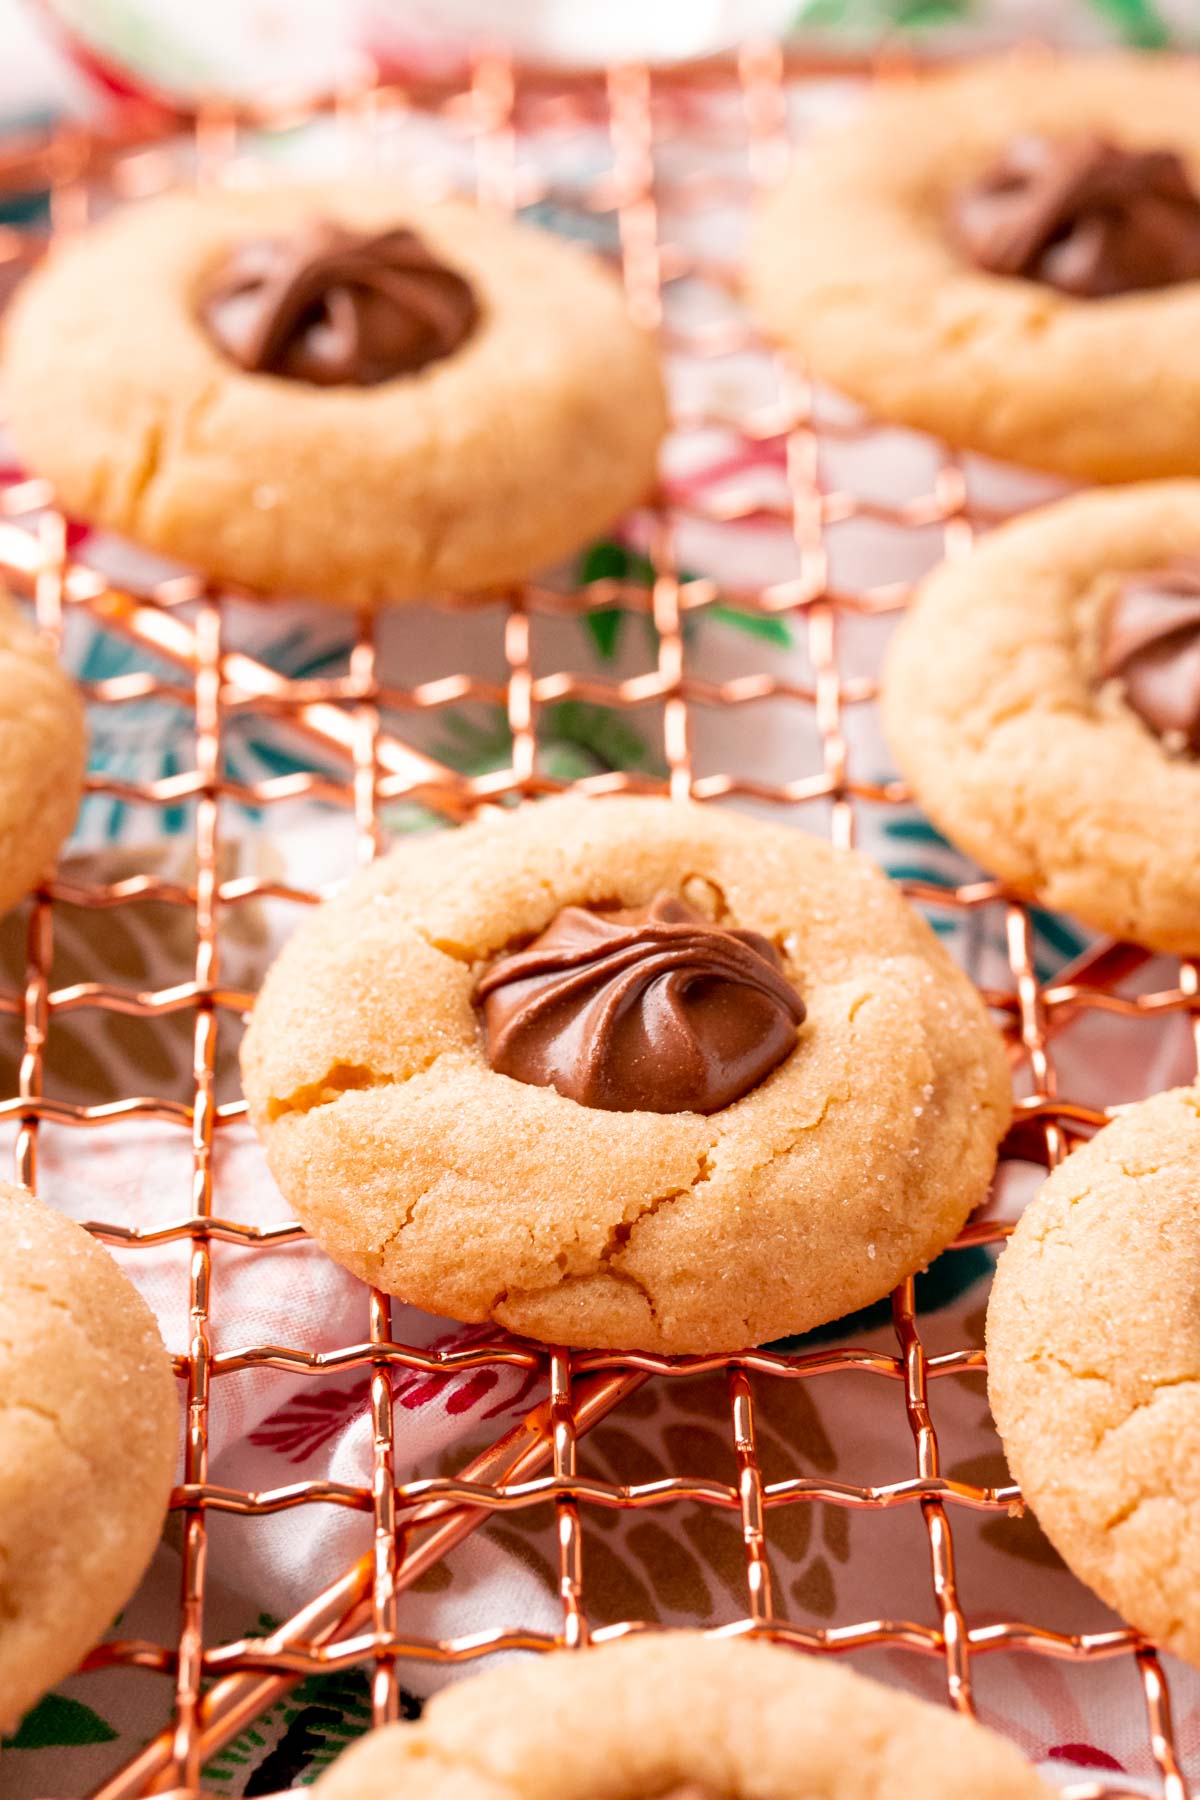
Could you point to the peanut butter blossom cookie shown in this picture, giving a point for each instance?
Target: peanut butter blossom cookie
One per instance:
(42, 756)
(1007, 256)
(339, 390)
(1099, 1404)
(627, 1073)
(89, 1428)
(678, 1716)
(1043, 697)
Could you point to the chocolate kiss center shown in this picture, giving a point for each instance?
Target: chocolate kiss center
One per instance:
(653, 1009)
(330, 307)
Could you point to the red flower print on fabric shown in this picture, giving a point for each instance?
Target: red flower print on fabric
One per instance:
(307, 1422)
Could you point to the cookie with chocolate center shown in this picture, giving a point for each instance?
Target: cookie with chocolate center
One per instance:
(1043, 698)
(339, 390)
(1006, 255)
(627, 1073)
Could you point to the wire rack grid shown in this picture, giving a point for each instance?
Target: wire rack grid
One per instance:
(737, 106)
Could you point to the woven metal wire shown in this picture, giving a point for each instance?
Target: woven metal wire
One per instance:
(501, 114)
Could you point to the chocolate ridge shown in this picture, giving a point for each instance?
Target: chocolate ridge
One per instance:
(1151, 647)
(1087, 216)
(335, 307)
(653, 1009)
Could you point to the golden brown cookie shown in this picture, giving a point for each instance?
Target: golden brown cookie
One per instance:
(1026, 733)
(508, 408)
(848, 1163)
(863, 261)
(89, 1428)
(1098, 1404)
(676, 1714)
(42, 756)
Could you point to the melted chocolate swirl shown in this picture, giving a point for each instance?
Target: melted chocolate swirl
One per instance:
(335, 307)
(1083, 215)
(1152, 647)
(649, 1010)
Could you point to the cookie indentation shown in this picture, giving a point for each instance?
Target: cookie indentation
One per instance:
(336, 307)
(1152, 647)
(1083, 215)
(651, 1009)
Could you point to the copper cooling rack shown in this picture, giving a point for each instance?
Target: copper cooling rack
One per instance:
(500, 117)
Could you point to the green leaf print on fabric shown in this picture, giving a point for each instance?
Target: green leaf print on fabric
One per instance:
(604, 629)
(915, 871)
(1059, 936)
(926, 856)
(58, 1722)
(575, 739)
(880, 15)
(298, 1737)
(609, 560)
(139, 740)
(940, 865)
(768, 626)
(915, 830)
(145, 740)
(25, 210)
(252, 748)
(1139, 22)
(604, 736)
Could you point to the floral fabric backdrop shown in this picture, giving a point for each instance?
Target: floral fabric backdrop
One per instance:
(235, 44)
(679, 1565)
(1148, 24)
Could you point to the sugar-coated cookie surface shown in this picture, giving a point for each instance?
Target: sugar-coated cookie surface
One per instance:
(1098, 1405)
(854, 264)
(42, 756)
(475, 470)
(470, 1193)
(89, 1428)
(675, 1714)
(995, 709)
